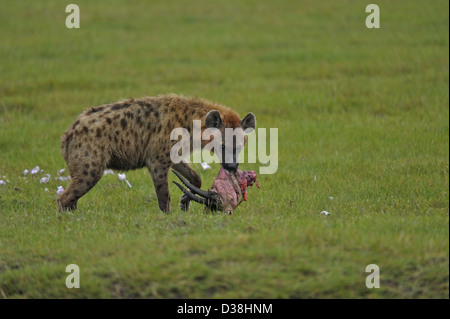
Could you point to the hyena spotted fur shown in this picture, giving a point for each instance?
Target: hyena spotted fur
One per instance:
(135, 133)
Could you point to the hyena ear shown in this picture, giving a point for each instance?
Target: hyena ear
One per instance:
(248, 123)
(213, 119)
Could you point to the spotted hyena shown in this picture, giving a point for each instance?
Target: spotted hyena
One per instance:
(135, 133)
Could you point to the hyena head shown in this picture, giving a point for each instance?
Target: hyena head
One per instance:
(232, 137)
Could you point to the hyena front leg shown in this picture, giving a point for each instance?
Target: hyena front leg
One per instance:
(188, 172)
(160, 176)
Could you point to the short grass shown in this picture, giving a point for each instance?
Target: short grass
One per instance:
(362, 117)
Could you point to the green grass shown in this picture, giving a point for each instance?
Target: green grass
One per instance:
(362, 117)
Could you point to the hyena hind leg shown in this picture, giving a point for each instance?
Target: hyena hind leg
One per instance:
(82, 181)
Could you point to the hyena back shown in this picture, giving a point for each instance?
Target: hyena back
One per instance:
(133, 134)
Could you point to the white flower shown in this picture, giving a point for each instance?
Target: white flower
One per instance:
(46, 189)
(25, 172)
(331, 197)
(45, 179)
(62, 178)
(2, 182)
(123, 177)
(60, 190)
(325, 213)
(35, 170)
(108, 172)
(62, 170)
(205, 166)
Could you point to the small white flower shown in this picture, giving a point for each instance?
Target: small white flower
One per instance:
(60, 190)
(123, 177)
(325, 213)
(205, 166)
(46, 189)
(331, 197)
(45, 179)
(62, 170)
(62, 178)
(2, 182)
(35, 170)
(25, 172)
(108, 172)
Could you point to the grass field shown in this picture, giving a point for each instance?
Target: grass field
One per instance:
(362, 117)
